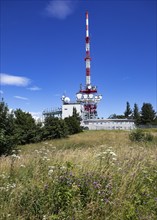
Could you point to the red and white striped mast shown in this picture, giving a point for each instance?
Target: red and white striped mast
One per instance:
(87, 95)
(87, 58)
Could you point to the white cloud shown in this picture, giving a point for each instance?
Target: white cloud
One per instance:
(34, 88)
(61, 8)
(37, 116)
(11, 80)
(20, 97)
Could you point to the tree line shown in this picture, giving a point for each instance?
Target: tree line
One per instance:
(18, 128)
(145, 116)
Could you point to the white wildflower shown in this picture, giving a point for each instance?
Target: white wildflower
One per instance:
(63, 168)
(13, 185)
(44, 217)
(114, 158)
(45, 158)
(98, 155)
(50, 172)
(22, 165)
(51, 167)
(15, 156)
(105, 152)
(113, 154)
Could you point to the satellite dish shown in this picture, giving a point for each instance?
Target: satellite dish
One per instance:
(66, 99)
(90, 96)
(63, 97)
(100, 97)
(79, 96)
(89, 86)
(85, 96)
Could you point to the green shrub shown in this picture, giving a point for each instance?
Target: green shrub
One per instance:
(139, 135)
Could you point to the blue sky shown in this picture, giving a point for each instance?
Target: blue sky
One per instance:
(43, 51)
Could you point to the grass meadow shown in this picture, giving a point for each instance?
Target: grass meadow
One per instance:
(95, 175)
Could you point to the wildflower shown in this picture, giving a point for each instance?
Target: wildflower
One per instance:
(113, 154)
(22, 165)
(63, 168)
(44, 217)
(51, 167)
(45, 158)
(114, 158)
(50, 172)
(13, 185)
(15, 156)
(105, 152)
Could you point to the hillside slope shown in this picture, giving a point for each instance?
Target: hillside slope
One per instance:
(92, 175)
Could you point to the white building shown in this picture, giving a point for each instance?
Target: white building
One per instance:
(90, 124)
(109, 124)
(67, 109)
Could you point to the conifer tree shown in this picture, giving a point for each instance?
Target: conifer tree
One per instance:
(128, 110)
(7, 139)
(147, 113)
(136, 114)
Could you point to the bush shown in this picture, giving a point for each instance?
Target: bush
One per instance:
(138, 136)
(149, 137)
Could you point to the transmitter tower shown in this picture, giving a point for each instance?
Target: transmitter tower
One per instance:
(87, 96)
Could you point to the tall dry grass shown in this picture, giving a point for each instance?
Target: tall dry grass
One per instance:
(91, 175)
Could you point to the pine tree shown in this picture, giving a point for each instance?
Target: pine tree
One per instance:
(147, 113)
(7, 139)
(54, 128)
(25, 127)
(73, 123)
(128, 110)
(136, 114)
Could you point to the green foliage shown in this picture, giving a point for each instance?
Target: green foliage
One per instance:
(19, 128)
(7, 139)
(147, 113)
(138, 135)
(99, 182)
(136, 114)
(128, 110)
(64, 192)
(114, 116)
(25, 127)
(54, 128)
(73, 123)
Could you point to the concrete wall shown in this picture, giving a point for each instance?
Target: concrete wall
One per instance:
(109, 124)
(67, 109)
